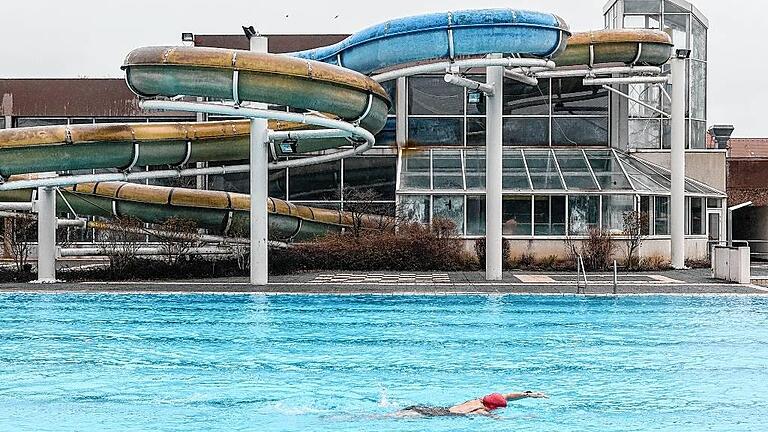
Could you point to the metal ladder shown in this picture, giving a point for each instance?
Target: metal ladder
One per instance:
(582, 271)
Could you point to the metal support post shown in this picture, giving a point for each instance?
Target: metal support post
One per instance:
(493, 175)
(46, 235)
(677, 164)
(401, 112)
(259, 171)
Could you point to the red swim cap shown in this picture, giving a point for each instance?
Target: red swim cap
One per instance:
(494, 401)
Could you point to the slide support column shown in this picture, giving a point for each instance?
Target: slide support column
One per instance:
(259, 160)
(677, 164)
(493, 176)
(46, 235)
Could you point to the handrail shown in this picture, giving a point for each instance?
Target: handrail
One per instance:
(580, 271)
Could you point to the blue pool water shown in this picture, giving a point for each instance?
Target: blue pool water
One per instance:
(93, 362)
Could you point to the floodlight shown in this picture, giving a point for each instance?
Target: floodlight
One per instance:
(187, 37)
(249, 32)
(288, 145)
(683, 54)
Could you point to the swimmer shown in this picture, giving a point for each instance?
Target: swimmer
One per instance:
(480, 406)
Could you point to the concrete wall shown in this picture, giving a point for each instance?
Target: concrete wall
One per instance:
(695, 248)
(706, 166)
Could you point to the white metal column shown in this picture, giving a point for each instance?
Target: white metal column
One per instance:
(401, 111)
(46, 234)
(493, 174)
(259, 187)
(677, 164)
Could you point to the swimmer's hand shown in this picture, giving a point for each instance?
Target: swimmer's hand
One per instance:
(535, 395)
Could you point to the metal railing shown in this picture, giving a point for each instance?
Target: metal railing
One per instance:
(580, 271)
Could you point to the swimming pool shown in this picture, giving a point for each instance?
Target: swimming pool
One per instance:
(92, 362)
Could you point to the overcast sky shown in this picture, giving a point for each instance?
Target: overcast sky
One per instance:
(89, 38)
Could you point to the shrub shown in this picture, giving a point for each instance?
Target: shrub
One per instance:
(121, 242)
(177, 236)
(597, 249)
(654, 263)
(414, 247)
(480, 251)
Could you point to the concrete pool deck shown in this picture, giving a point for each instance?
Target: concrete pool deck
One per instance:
(688, 282)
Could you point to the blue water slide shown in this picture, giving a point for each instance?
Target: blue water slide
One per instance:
(446, 35)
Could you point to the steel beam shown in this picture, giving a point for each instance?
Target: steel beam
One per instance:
(493, 176)
(677, 164)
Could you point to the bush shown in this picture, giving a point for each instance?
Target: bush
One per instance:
(480, 252)
(121, 242)
(414, 247)
(654, 263)
(597, 249)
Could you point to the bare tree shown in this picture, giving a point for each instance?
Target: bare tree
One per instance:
(240, 251)
(635, 233)
(121, 242)
(21, 237)
(177, 236)
(365, 213)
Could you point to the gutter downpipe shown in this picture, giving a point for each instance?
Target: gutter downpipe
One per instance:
(259, 161)
(677, 164)
(493, 177)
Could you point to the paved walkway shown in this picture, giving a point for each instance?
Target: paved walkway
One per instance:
(669, 282)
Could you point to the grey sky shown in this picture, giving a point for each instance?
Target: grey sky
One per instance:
(55, 38)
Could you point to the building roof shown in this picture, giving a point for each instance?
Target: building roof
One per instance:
(683, 4)
(748, 148)
(278, 44)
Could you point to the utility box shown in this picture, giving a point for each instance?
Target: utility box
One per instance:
(732, 264)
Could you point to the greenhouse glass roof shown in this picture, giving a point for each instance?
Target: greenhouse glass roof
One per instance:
(539, 170)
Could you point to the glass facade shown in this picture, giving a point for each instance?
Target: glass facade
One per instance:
(647, 130)
(557, 112)
(546, 192)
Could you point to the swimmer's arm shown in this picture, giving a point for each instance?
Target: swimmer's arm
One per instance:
(524, 395)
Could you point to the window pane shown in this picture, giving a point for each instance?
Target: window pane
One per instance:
(698, 40)
(549, 214)
(607, 171)
(614, 208)
(432, 95)
(446, 170)
(514, 176)
(642, 22)
(698, 90)
(370, 175)
(584, 214)
(698, 134)
(321, 182)
(661, 216)
(391, 88)
(2, 122)
(475, 215)
(677, 27)
(642, 6)
(451, 208)
(522, 99)
(415, 170)
(475, 167)
(575, 170)
(586, 131)
(475, 131)
(32, 122)
(715, 203)
(571, 97)
(436, 131)
(415, 208)
(543, 170)
(648, 94)
(516, 213)
(644, 134)
(526, 132)
(388, 135)
(645, 214)
(671, 7)
(697, 216)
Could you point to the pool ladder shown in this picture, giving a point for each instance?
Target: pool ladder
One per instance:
(582, 271)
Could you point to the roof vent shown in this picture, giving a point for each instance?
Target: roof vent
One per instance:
(722, 134)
